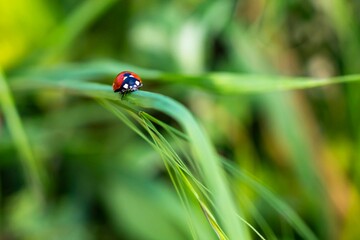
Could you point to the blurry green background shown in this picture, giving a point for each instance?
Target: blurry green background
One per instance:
(105, 182)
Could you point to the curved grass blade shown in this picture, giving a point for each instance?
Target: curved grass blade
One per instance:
(181, 178)
(177, 171)
(178, 176)
(211, 170)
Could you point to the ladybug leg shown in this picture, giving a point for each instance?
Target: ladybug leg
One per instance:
(124, 94)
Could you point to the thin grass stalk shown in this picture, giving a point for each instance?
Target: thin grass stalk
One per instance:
(34, 171)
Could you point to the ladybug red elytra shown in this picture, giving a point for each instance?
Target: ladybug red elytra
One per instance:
(126, 82)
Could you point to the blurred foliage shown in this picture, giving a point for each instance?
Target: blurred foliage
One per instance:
(269, 144)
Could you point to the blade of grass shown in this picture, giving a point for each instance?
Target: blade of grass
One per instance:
(175, 167)
(62, 36)
(81, 18)
(213, 174)
(175, 172)
(218, 82)
(34, 171)
(282, 208)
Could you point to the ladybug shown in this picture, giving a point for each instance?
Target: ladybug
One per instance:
(126, 82)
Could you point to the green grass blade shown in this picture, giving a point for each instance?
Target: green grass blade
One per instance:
(65, 34)
(33, 169)
(176, 173)
(177, 170)
(182, 181)
(218, 82)
(288, 213)
(213, 174)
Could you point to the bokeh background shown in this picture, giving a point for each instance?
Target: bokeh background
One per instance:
(105, 182)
